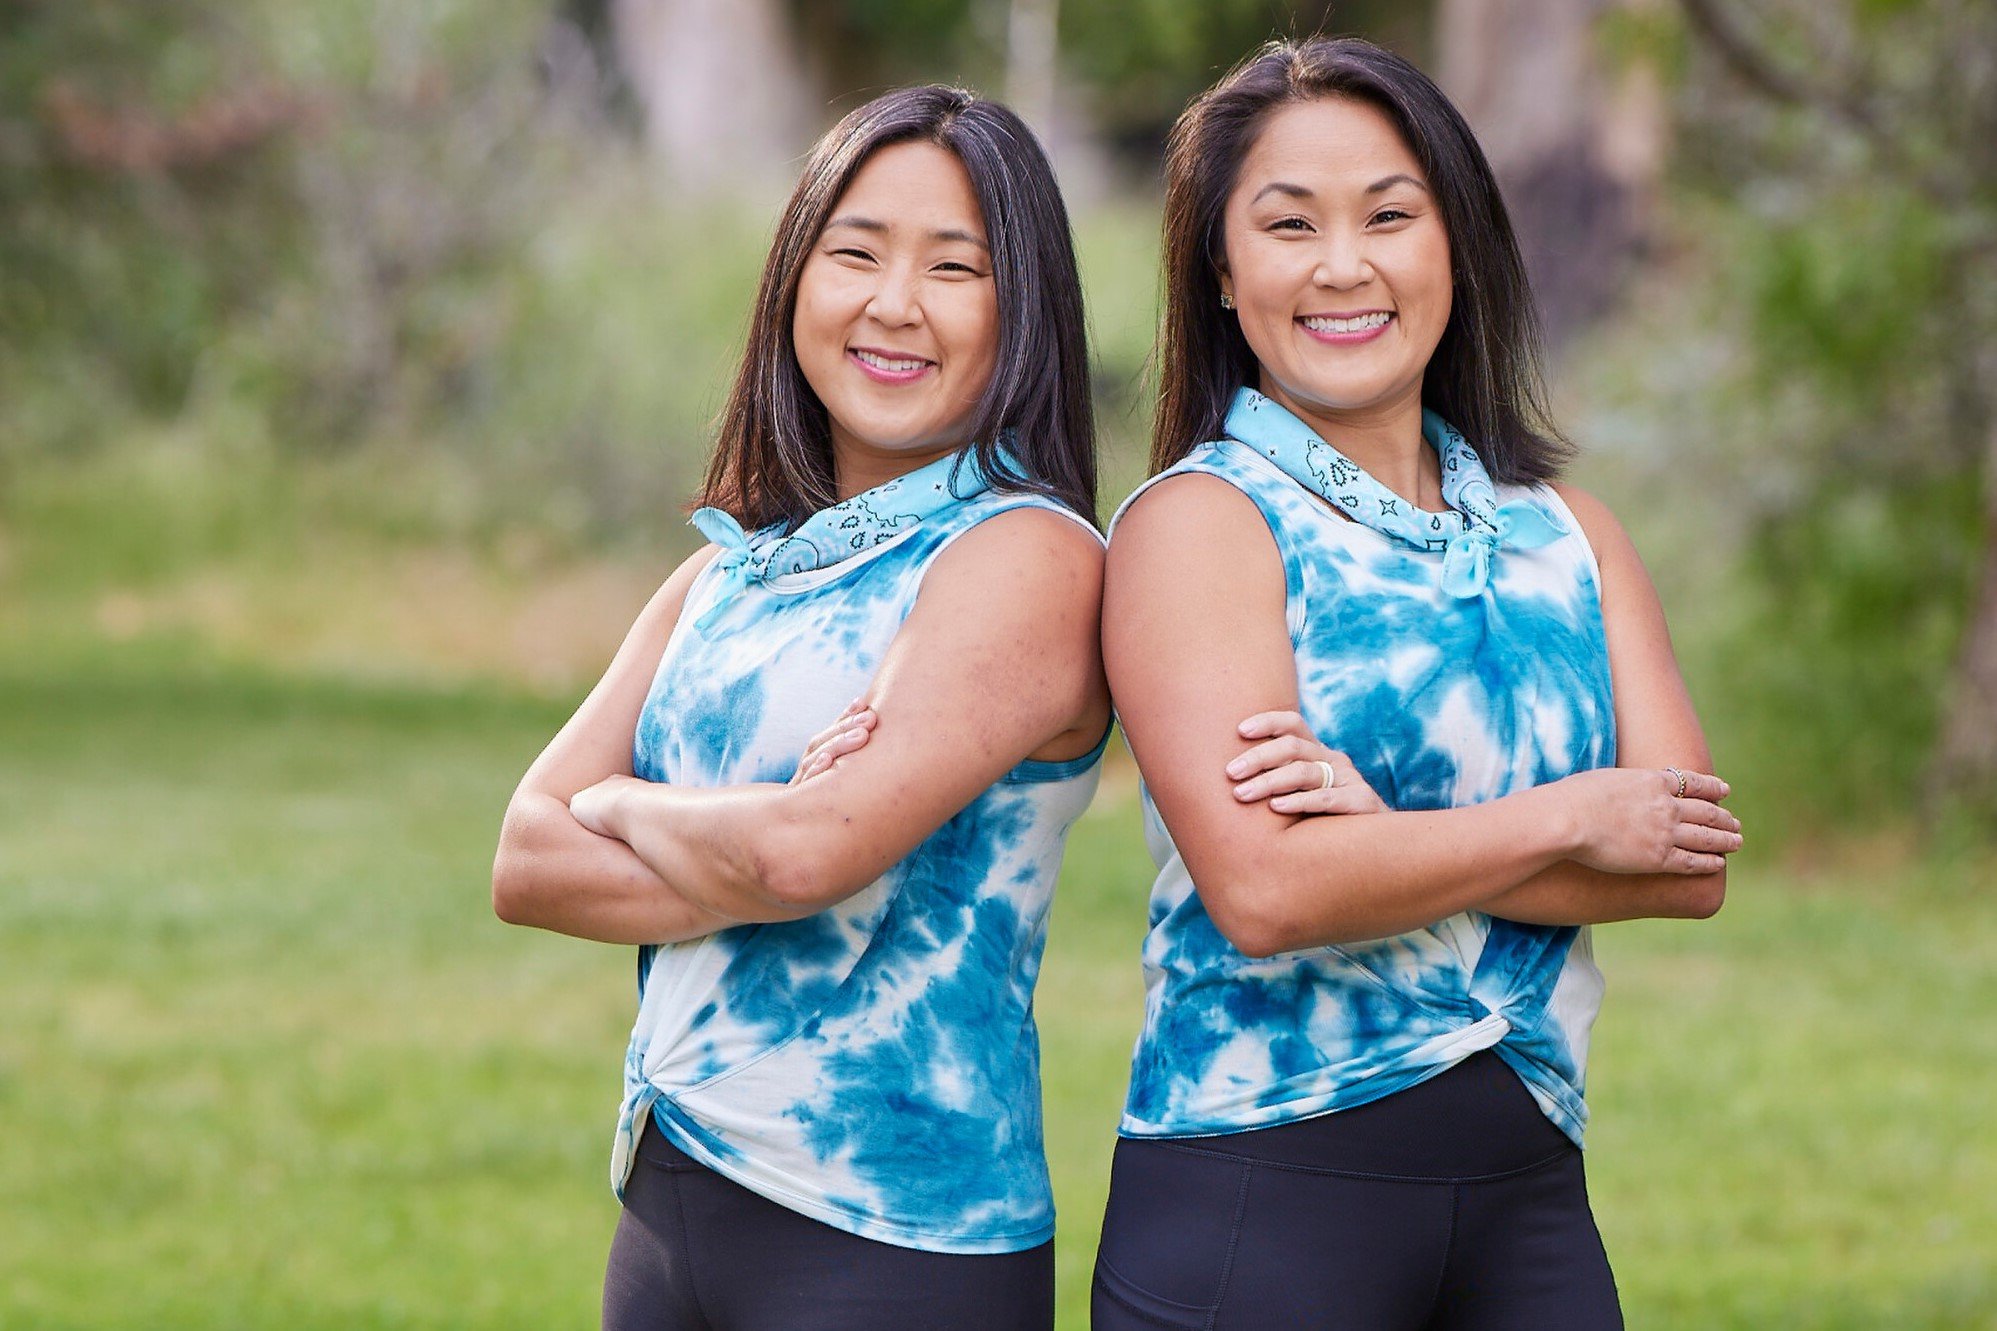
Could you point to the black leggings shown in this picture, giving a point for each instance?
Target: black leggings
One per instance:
(696, 1252)
(1451, 1206)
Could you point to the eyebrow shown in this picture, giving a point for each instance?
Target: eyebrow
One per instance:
(1383, 185)
(1288, 190)
(1284, 188)
(882, 228)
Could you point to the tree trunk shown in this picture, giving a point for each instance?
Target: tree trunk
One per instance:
(726, 99)
(1963, 775)
(1578, 147)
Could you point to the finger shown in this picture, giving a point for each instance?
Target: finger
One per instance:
(1273, 754)
(1337, 799)
(845, 742)
(1263, 724)
(1692, 863)
(1706, 840)
(1698, 786)
(1293, 776)
(822, 756)
(864, 718)
(1706, 814)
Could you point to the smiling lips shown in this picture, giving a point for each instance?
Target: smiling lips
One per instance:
(1346, 329)
(889, 367)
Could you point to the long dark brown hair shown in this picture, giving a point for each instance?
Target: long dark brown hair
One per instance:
(1484, 377)
(773, 451)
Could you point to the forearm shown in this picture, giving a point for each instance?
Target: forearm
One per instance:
(1347, 879)
(553, 873)
(1571, 893)
(747, 852)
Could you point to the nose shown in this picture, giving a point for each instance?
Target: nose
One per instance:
(1342, 263)
(895, 302)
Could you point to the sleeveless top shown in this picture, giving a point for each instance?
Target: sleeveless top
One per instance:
(876, 1065)
(1455, 657)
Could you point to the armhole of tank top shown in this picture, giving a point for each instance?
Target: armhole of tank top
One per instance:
(1549, 497)
(1296, 602)
(682, 625)
(1030, 770)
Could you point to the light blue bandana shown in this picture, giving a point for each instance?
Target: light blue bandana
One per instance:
(833, 535)
(1475, 527)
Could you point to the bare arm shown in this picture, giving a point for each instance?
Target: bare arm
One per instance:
(1656, 727)
(1195, 639)
(551, 872)
(998, 661)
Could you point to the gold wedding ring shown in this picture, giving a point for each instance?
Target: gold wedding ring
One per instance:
(1681, 780)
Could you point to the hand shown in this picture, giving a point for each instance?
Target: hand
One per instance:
(1631, 820)
(849, 732)
(592, 806)
(1284, 770)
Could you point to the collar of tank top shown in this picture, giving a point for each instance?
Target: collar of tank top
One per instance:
(848, 528)
(1468, 535)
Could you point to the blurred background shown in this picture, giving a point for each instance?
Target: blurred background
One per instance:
(357, 358)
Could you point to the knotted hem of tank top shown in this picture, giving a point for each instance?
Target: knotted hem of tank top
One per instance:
(686, 1132)
(1563, 1105)
(1411, 1066)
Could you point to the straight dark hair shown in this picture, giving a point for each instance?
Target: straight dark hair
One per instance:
(773, 451)
(1484, 377)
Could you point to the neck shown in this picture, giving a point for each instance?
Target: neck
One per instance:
(857, 467)
(1384, 438)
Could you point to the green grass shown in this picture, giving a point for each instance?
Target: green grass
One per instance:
(267, 1060)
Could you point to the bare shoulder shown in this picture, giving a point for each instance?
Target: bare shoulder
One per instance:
(1030, 549)
(1598, 523)
(1190, 502)
(662, 611)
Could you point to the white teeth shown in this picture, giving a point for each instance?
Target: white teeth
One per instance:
(891, 366)
(1377, 319)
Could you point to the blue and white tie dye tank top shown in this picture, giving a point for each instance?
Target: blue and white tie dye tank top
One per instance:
(876, 1065)
(1456, 657)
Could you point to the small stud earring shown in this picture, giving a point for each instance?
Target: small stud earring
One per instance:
(1226, 301)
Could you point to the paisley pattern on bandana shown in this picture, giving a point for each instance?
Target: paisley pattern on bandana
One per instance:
(831, 535)
(1442, 700)
(1473, 528)
(874, 1066)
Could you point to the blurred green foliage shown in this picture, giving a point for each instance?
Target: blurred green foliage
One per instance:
(271, 1062)
(1850, 415)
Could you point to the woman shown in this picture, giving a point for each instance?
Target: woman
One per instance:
(832, 1108)
(1357, 1097)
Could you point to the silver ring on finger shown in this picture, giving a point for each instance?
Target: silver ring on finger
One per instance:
(1681, 780)
(1330, 774)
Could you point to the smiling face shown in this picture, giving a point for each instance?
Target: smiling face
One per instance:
(1338, 262)
(896, 327)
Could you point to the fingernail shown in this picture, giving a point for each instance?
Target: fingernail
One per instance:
(1237, 768)
(1283, 803)
(1241, 791)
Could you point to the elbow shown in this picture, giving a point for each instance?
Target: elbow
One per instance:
(1707, 894)
(1252, 922)
(514, 895)
(792, 871)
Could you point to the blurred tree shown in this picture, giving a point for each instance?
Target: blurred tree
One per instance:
(727, 100)
(1862, 138)
(1578, 138)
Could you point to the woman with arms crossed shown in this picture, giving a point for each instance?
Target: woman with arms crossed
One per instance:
(832, 1103)
(1357, 1098)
